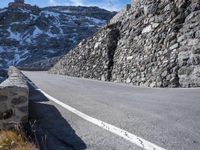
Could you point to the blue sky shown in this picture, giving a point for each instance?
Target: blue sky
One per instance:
(107, 4)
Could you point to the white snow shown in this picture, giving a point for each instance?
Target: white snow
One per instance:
(19, 57)
(14, 35)
(96, 21)
(49, 13)
(33, 17)
(6, 49)
(66, 11)
(25, 52)
(56, 21)
(25, 11)
(36, 32)
(15, 23)
(51, 51)
(51, 34)
(3, 10)
(1, 49)
(74, 37)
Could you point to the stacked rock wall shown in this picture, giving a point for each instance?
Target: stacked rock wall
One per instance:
(157, 46)
(13, 99)
(189, 51)
(152, 52)
(92, 58)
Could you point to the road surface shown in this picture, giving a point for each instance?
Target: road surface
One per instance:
(169, 118)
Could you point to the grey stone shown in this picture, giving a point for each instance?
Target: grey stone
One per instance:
(3, 98)
(14, 94)
(147, 29)
(150, 9)
(164, 74)
(175, 46)
(23, 109)
(19, 100)
(192, 42)
(157, 46)
(185, 71)
(196, 51)
(128, 80)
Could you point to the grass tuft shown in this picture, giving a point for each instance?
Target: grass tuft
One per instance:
(15, 140)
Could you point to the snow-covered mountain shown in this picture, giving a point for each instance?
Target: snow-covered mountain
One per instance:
(29, 35)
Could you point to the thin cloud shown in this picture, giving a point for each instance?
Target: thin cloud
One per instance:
(111, 5)
(77, 2)
(53, 2)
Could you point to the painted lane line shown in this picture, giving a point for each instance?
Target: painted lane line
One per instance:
(146, 145)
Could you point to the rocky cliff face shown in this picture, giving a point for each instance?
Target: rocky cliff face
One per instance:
(152, 43)
(31, 34)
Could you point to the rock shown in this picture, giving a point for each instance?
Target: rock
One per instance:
(147, 29)
(19, 100)
(150, 9)
(129, 57)
(128, 80)
(185, 71)
(192, 42)
(175, 46)
(103, 78)
(164, 74)
(157, 46)
(155, 25)
(190, 77)
(14, 94)
(33, 37)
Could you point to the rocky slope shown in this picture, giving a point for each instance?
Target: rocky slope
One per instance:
(152, 43)
(28, 35)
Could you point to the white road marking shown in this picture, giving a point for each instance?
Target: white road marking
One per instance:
(146, 145)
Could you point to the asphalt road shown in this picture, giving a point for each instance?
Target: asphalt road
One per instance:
(169, 118)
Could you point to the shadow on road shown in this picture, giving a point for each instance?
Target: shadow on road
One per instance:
(48, 127)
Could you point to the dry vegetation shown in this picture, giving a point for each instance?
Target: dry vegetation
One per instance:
(15, 140)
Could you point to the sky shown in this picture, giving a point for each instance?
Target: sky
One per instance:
(113, 5)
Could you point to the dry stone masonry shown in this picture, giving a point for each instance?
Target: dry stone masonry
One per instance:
(13, 99)
(99, 50)
(155, 43)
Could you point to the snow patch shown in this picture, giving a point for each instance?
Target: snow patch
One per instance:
(33, 17)
(19, 57)
(25, 10)
(66, 11)
(1, 49)
(51, 34)
(96, 21)
(37, 32)
(3, 10)
(14, 35)
(50, 14)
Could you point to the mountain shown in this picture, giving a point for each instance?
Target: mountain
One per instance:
(149, 43)
(29, 34)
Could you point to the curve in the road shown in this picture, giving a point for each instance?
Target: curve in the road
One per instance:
(146, 145)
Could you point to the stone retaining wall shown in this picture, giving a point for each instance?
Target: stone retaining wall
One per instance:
(13, 99)
(157, 45)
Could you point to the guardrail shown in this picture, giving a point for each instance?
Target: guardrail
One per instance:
(14, 95)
